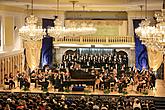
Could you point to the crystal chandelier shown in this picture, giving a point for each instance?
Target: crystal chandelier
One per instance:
(160, 27)
(147, 34)
(153, 36)
(145, 31)
(59, 31)
(31, 32)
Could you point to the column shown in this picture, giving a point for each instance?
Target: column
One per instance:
(9, 29)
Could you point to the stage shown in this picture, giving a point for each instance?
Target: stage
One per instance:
(159, 91)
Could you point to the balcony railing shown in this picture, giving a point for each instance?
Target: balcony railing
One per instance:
(96, 40)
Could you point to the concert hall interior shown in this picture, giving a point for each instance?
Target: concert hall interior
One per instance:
(82, 55)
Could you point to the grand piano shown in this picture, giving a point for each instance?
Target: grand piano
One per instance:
(81, 77)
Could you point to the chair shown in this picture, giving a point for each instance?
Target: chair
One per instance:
(32, 80)
(152, 108)
(151, 105)
(144, 105)
(71, 108)
(144, 108)
(136, 108)
(97, 83)
(6, 86)
(79, 108)
(112, 86)
(120, 108)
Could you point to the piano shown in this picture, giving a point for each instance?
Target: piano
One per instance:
(81, 77)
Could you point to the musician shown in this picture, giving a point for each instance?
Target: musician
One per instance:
(109, 60)
(97, 82)
(120, 60)
(18, 74)
(115, 60)
(153, 78)
(21, 77)
(125, 60)
(46, 68)
(67, 75)
(123, 68)
(107, 67)
(114, 72)
(26, 83)
(147, 79)
(140, 83)
(64, 64)
(136, 77)
(120, 85)
(58, 82)
(11, 81)
(133, 68)
(87, 64)
(44, 81)
(142, 72)
(6, 79)
(106, 80)
(101, 80)
(34, 79)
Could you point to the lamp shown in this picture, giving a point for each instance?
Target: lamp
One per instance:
(160, 27)
(153, 36)
(31, 32)
(79, 29)
(145, 31)
(59, 31)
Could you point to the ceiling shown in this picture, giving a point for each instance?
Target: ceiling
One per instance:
(90, 5)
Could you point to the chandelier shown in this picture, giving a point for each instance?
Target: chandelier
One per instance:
(147, 34)
(153, 36)
(160, 27)
(31, 32)
(59, 31)
(145, 31)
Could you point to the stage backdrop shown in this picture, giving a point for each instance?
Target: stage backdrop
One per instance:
(141, 55)
(47, 44)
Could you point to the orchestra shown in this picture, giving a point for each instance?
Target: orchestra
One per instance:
(106, 69)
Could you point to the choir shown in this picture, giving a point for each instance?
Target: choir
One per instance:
(97, 60)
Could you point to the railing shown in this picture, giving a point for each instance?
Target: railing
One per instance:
(96, 40)
(10, 63)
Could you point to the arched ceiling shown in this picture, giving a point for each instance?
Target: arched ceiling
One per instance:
(91, 5)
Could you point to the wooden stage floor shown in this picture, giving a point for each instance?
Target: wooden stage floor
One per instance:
(158, 92)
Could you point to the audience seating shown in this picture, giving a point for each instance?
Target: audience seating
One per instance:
(50, 101)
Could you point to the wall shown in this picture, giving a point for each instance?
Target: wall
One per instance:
(11, 52)
(104, 27)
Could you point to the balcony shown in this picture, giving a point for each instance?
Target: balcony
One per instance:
(96, 40)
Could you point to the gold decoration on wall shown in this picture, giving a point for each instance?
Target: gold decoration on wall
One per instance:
(104, 27)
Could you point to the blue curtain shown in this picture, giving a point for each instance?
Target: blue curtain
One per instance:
(141, 55)
(47, 44)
